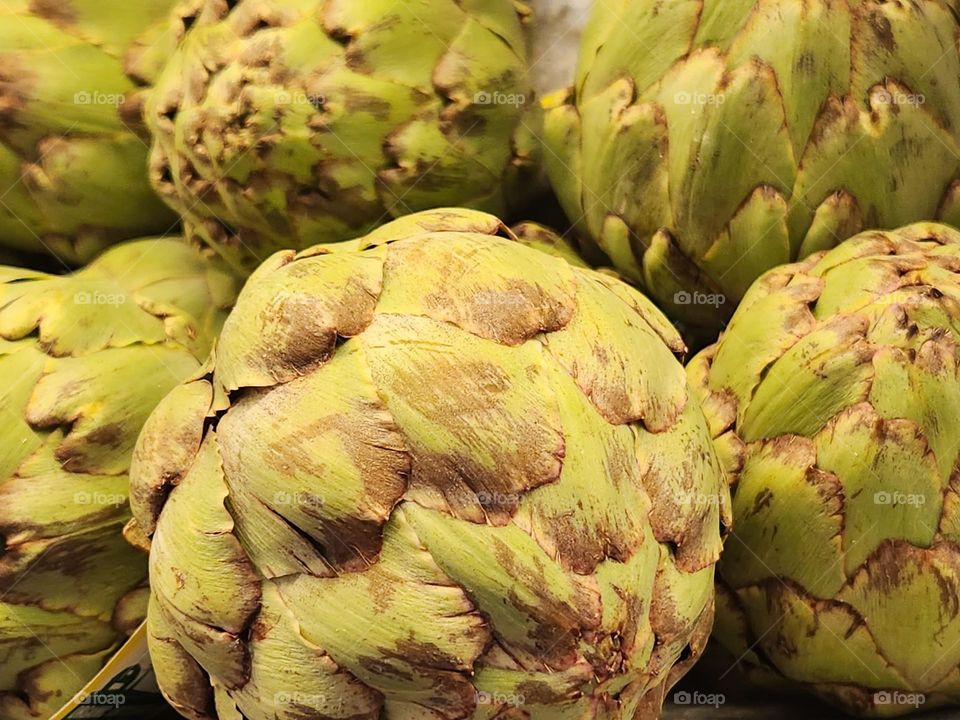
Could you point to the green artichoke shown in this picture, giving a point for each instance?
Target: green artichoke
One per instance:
(706, 142)
(430, 474)
(835, 398)
(73, 175)
(279, 123)
(85, 358)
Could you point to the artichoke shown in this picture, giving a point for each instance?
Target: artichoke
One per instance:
(85, 358)
(835, 399)
(73, 175)
(432, 473)
(279, 123)
(707, 142)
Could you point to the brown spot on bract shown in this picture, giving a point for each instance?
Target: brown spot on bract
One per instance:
(762, 501)
(349, 543)
(298, 711)
(451, 692)
(493, 288)
(536, 692)
(422, 653)
(462, 122)
(357, 102)
(834, 117)
(295, 469)
(303, 335)
(557, 645)
(16, 81)
(557, 624)
(806, 63)
(896, 563)
(59, 12)
(110, 435)
(935, 356)
(474, 420)
(469, 490)
(380, 666)
(879, 24)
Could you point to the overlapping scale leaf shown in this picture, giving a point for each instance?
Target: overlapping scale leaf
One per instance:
(336, 473)
(293, 316)
(480, 418)
(475, 284)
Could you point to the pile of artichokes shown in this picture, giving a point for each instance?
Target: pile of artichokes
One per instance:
(388, 418)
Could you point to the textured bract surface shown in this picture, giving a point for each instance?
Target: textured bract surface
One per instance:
(293, 123)
(709, 141)
(73, 175)
(431, 474)
(835, 398)
(84, 360)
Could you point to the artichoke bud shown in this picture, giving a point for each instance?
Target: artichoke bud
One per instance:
(431, 472)
(834, 395)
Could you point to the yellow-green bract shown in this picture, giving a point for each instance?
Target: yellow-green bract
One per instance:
(707, 141)
(835, 398)
(84, 360)
(431, 474)
(280, 124)
(73, 175)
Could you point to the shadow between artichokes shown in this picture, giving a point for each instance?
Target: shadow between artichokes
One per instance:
(84, 359)
(706, 142)
(834, 395)
(432, 473)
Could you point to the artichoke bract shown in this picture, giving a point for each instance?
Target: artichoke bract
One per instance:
(707, 142)
(835, 399)
(85, 358)
(73, 175)
(432, 473)
(293, 123)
